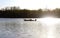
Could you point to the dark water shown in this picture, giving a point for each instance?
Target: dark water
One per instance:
(17, 28)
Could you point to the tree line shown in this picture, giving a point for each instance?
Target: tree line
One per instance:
(16, 12)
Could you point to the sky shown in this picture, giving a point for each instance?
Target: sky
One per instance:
(31, 4)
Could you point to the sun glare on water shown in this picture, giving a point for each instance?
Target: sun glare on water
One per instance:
(50, 23)
(49, 20)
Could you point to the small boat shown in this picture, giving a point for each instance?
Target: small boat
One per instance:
(29, 19)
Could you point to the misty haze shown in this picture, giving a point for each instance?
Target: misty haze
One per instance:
(29, 18)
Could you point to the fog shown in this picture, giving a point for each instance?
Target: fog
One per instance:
(18, 28)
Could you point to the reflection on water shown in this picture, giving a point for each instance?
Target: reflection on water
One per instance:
(17, 28)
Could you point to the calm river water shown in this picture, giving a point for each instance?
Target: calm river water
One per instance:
(18, 28)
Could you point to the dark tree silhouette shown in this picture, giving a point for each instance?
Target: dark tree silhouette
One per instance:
(16, 12)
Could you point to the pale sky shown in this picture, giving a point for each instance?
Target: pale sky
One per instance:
(31, 4)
